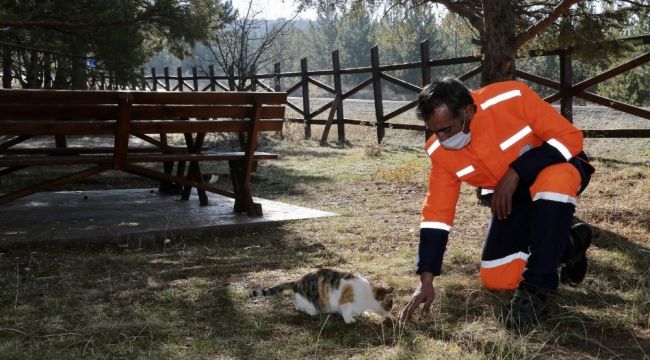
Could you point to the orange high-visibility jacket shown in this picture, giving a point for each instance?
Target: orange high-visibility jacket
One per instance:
(512, 127)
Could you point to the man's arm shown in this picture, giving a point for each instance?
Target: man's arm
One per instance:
(438, 213)
(562, 140)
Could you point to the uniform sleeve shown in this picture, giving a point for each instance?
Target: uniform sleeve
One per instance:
(438, 214)
(562, 140)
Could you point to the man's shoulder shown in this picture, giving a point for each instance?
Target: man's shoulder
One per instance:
(499, 91)
(501, 86)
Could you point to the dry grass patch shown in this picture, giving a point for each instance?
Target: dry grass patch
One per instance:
(189, 299)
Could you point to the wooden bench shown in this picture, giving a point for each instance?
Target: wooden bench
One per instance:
(26, 115)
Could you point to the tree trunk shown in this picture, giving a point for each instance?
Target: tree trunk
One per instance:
(47, 71)
(32, 68)
(7, 63)
(78, 74)
(232, 85)
(499, 43)
(61, 75)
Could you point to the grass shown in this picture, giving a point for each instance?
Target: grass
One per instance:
(188, 299)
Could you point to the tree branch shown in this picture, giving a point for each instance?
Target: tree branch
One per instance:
(544, 23)
(464, 11)
(61, 24)
(636, 3)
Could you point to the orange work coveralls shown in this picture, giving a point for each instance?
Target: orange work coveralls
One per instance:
(512, 127)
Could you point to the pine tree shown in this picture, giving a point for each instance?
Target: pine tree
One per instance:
(50, 40)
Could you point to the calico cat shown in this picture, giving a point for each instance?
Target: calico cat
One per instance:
(334, 291)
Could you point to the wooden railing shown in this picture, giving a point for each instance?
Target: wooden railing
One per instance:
(566, 89)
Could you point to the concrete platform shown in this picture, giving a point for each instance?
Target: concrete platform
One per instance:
(106, 215)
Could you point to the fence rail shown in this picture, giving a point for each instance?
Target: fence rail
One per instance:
(565, 89)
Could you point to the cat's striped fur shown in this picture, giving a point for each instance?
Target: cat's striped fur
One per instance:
(334, 291)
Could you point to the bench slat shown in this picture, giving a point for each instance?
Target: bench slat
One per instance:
(152, 112)
(148, 112)
(197, 98)
(10, 161)
(84, 150)
(37, 96)
(38, 128)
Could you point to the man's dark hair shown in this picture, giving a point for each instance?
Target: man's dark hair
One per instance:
(448, 91)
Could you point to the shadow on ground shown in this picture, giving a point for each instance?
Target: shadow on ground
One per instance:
(134, 298)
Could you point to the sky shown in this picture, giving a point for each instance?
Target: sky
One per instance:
(273, 9)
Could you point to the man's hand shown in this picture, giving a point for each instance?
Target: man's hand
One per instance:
(424, 294)
(502, 198)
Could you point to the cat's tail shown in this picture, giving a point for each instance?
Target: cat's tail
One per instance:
(274, 290)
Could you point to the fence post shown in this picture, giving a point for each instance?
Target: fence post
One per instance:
(231, 78)
(102, 81)
(566, 82)
(212, 81)
(179, 74)
(154, 79)
(340, 122)
(253, 78)
(376, 84)
(277, 84)
(143, 83)
(426, 74)
(195, 78)
(305, 97)
(166, 75)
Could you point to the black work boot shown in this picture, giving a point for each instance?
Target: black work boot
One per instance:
(526, 309)
(575, 267)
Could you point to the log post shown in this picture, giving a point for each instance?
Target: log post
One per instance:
(166, 76)
(566, 82)
(179, 75)
(376, 84)
(305, 97)
(277, 83)
(340, 122)
(426, 73)
(213, 84)
(154, 79)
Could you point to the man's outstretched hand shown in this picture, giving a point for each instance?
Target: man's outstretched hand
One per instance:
(424, 295)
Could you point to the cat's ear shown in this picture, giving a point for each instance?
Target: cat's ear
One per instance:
(381, 292)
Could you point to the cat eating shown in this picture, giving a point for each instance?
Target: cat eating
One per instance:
(333, 291)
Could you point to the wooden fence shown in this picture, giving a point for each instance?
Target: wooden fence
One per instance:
(565, 89)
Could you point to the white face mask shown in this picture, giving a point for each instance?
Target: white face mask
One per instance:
(458, 140)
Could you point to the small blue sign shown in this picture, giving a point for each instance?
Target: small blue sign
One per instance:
(91, 63)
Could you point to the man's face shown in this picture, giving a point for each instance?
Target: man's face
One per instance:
(443, 123)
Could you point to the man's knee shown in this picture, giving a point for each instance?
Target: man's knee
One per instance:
(556, 182)
(505, 276)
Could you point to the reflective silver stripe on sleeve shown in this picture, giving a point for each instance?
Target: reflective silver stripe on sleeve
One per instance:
(499, 98)
(465, 171)
(435, 225)
(488, 264)
(516, 137)
(433, 147)
(553, 196)
(560, 147)
(486, 191)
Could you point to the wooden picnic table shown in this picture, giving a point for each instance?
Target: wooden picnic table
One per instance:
(151, 117)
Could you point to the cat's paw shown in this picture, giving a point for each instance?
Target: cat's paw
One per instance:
(349, 320)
